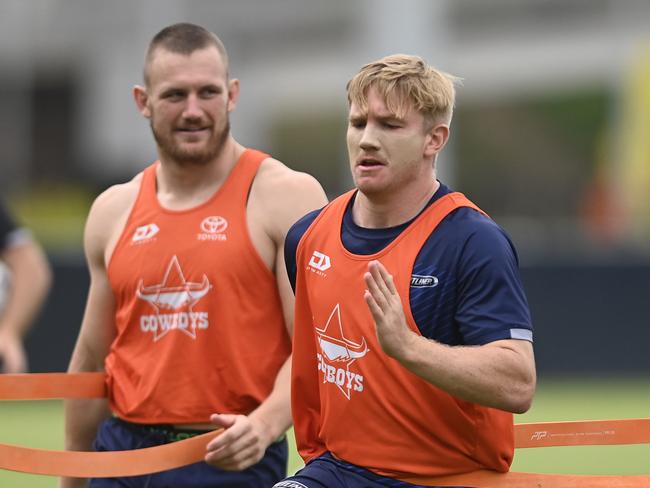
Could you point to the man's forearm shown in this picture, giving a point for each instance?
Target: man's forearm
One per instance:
(275, 411)
(496, 375)
(82, 417)
(30, 281)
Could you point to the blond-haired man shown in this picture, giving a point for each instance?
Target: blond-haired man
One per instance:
(412, 338)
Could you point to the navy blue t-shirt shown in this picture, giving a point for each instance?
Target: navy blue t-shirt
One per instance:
(465, 289)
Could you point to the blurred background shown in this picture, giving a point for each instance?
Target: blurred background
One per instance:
(551, 135)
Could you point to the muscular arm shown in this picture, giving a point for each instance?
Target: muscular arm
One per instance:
(83, 416)
(31, 278)
(275, 412)
(301, 195)
(500, 374)
(286, 196)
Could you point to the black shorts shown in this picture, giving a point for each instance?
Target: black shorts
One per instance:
(117, 435)
(325, 471)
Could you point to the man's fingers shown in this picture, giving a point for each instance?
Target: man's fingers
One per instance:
(237, 448)
(375, 311)
(230, 449)
(223, 420)
(375, 290)
(230, 434)
(235, 457)
(387, 278)
(382, 277)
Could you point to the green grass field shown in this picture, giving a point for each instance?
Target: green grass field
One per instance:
(40, 424)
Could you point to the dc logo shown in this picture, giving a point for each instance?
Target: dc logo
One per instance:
(145, 232)
(320, 261)
(214, 225)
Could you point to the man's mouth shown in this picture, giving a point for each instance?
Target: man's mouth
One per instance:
(369, 162)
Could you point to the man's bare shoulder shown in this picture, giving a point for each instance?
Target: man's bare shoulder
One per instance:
(287, 194)
(276, 178)
(109, 212)
(116, 199)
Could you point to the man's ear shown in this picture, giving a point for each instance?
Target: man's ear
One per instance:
(233, 94)
(141, 98)
(436, 139)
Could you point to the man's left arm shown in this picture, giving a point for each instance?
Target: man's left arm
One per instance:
(30, 282)
(288, 195)
(500, 374)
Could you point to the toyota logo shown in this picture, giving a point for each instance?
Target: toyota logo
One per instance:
(214, 224)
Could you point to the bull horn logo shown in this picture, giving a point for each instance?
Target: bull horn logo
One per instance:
(174, 297)
(335, 346)
(174, 294)
(339, 351)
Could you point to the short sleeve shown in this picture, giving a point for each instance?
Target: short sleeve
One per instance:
(291, 242)
(492, 304)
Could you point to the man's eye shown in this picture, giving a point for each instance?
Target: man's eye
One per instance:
(175, 95)
(211, 91)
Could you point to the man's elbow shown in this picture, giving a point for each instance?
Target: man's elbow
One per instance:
(524, 381)
(522, 398)
(522, 406)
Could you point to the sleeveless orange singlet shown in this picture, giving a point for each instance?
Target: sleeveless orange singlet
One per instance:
(353, 400)
(199, 320)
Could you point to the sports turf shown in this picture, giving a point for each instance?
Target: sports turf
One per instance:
(40, 424)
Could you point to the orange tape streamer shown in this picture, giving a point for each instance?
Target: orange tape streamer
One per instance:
(583, 433)
(77, 464)
(105, 464)
(42, 386)
(169, 456)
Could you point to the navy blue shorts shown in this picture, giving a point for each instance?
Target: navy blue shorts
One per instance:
(327, 472)
(116, 435)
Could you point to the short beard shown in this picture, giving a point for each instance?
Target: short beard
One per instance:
(172, 152)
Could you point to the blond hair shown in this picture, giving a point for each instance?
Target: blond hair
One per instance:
(406, 81)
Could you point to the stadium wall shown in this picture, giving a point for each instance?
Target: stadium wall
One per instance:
(589, 320)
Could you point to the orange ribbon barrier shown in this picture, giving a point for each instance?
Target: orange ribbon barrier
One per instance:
(105, 464)
(583, 433)
(181, 453)
(490, 479)
(41, 386)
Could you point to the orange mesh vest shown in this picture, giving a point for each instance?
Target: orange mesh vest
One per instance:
(353, 400)
(198, 315)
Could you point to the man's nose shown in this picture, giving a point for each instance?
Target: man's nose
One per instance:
(369, 138)
(193, 107)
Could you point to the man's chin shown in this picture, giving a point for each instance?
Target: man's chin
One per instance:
(368, 187)
(191, 153)
(193, 156)
(192, 159)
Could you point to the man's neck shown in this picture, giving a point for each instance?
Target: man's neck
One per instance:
(389, 210)
(181, 186)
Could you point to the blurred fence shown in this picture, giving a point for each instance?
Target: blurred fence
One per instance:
(589, 320)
